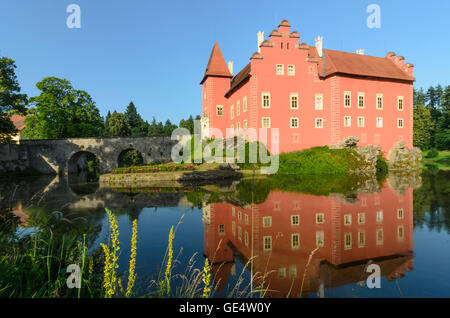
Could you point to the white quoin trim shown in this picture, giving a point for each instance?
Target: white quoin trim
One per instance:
(260, 39)
(230, 67)
(319, 45)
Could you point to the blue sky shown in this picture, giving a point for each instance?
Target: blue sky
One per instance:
(155, 52)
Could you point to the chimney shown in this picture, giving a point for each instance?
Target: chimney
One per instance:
(260, 39)
(319, 45)
(360, 51)
(230, 67)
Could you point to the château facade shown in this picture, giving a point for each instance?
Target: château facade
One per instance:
(314, 96)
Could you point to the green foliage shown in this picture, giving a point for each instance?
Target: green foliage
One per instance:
(11, 101)
(382, 168)
(62, 112)
(433, 153)
(318, 160)
(130, 158)
(118, 125)
(423, 127)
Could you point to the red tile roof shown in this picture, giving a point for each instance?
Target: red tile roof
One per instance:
(361, 65)
(18, 121)
(239, 78)
(216, 65)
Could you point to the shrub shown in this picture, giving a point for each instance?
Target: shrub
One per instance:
(433, 153)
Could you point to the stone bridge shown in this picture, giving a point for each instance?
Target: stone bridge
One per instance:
(64, 156)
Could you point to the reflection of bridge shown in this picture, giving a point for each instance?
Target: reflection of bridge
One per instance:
(63, 156)
(281, 234)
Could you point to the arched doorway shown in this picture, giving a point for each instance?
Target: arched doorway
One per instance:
(82, 167)
(130, 157)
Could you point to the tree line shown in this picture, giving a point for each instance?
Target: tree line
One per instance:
(432, 118)
(61, 111)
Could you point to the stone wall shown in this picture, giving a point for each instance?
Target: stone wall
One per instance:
(401, 159)
(13, 158)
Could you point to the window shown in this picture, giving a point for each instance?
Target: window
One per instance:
(380, 237)
(240, 233)
(233, 211)
(280, 69)
(267, 243)
(319, 101)
(292, 271)
(399, 122)
(221, 228)
(245, 123)
(347, 99)
(361, 102)
(267, 221)
(319, 122)
(347, 219)
(232, 128)
(233, 228)
(320, 238)
(282, 272)
(238, 108)
(361, 218)
(320, 218)
(266, 122)
(400, 103)
(265, 100)
(246, 218)
(294, 122)
(379, 216)
(291, 70)
(379, 122)
(400, 214)
(238, 126)
(379, 101)
(295, 219)
(400, 232)
(294, 101)
(295, 240)
(361, 239)
(219, 110)
(347, 241)
(244, 104)
(239, 216)
(347, 121)
(232, 111)
(361, 121)
(246, 238)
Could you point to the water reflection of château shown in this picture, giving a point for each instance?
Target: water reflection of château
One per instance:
(281, 233)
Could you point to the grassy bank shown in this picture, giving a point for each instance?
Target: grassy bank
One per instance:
(441, 159)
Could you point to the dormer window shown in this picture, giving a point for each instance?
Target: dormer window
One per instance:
(280, 69)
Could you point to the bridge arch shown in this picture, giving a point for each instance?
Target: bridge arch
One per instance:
(78, 163)
(130, 156)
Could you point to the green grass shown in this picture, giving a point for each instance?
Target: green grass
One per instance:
(319, 160)
(442, 161)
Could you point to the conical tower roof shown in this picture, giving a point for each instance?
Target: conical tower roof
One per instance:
(216, 65)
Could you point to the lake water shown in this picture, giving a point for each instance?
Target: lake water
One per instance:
(295, 244)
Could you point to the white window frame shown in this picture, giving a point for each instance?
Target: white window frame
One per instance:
(380, 242)
(238, 126)
(376, 101)
(262, 122)
(402, 121)
(400, 213)
(379, 126)
(244, 104)
(298, 240)
(221, 229)
(263, 94)
(347, 246)
(267, 221)
(402, 99)
(217, 110)
(291, 72)
(232, 111)
(279, 69)
(400, 237)
(379, 216)
(245, 123)
(349, 123)
(315, 122)
(320, 215)
(361, 244)
(269, 240)
(347, 219)
(363, 95)
(318, 106)
(362, 218)
(290, 100)
(363, 121)
(349, 94)
(320, 238)
(290, 122)
(238, 108)
(297, 216)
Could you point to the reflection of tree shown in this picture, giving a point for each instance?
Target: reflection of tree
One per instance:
(431, 201)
